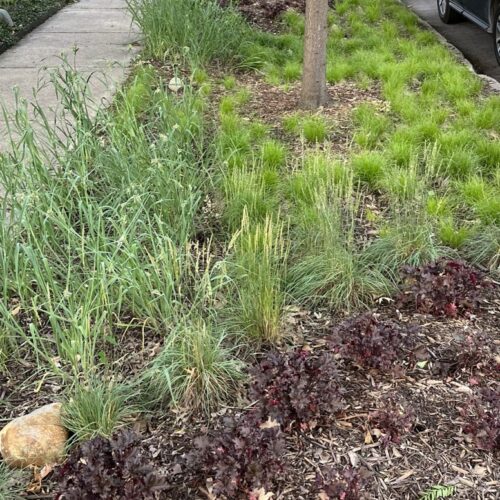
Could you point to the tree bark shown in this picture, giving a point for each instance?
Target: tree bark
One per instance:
(314, 74)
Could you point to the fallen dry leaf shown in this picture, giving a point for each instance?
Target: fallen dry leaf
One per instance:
(269, 424)
(261, 494)
(368, 438)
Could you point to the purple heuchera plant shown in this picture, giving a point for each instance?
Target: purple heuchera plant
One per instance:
(393, 420)
(299, 388)
(115, 468)
(482, 418)
(371, 343)
(335, 483)
(238, 458)
(444, 288)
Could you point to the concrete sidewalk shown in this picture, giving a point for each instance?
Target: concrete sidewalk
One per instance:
(100, 30)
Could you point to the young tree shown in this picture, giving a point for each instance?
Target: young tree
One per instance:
(314, 77)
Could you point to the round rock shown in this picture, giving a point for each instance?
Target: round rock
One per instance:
(37, 439)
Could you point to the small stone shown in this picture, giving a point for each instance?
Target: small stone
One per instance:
(36, 439)
(176, 84)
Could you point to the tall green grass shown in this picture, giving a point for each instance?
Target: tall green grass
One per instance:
(331, 265)
(196, 31)
(96, 222)
(258, 270)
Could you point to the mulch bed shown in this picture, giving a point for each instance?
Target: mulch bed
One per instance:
(271, 104)
(435, 451)
(264, 13)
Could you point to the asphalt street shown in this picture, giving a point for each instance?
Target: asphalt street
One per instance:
(472, 41)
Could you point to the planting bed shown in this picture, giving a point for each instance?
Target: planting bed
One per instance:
(236, 299)
(26, 15)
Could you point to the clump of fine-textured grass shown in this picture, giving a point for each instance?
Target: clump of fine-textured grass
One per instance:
(314, 129)
(453, 236)
(12, 483)
(484, 247)
(195, 369)
(371, 125)
(98, 408)
(199, 31)
(292, 71)
(330, 267)
(258, 269)
(317, 171)
(369, 168)
(248, 190)
(273, 154)
(409, 239)
(229, 82)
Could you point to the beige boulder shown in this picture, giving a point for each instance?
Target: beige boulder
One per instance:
(38, 438)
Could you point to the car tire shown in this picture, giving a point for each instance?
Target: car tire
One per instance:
(446, 13)
(496, 32)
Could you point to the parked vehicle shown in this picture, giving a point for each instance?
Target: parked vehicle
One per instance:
(484, 13)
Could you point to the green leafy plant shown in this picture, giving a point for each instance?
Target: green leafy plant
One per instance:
(438, 491)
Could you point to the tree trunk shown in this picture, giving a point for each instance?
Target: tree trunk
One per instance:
(314, 77)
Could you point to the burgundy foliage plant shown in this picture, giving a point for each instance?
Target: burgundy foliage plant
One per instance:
(115, 468)
(298, 388)
(392, 420)
(341, 484)
(444, 288)
(371, 343)
(482, 418)
(240, 457)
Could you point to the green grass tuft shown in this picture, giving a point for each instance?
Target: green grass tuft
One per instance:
(273, 154)
(314, 129)
(12, 483)
(194, 370)
(369, 168)
(259, 269)
(98, 408)
(213, 33)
